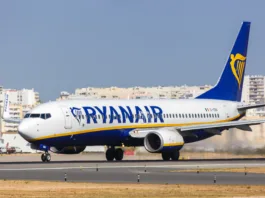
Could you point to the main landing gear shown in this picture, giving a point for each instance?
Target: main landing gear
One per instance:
(46, 157)
(112, 153)
(174, 156)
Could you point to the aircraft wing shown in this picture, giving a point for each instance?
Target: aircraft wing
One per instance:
(210, 128)
(241, 124)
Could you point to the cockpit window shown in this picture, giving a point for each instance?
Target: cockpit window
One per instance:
(45, 116)
(34, 115)
(48, 115)
(27, 115)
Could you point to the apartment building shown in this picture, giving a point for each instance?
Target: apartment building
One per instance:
(254, 93)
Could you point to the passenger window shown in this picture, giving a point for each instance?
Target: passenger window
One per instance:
(176, 115)
(186, 115)
(169, 115)
(179, 115)
(210, 115)
(183, 115)
(173, 115)
(195, 115)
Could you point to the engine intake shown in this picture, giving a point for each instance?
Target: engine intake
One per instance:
(163, 140)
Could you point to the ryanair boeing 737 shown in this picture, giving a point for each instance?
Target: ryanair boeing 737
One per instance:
(161, 126)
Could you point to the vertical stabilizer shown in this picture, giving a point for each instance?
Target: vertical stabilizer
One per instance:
(229, 86)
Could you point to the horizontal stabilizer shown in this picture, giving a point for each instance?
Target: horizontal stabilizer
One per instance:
(245, 107)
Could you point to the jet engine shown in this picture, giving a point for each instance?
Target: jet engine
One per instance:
(68, 149)
(163, 141)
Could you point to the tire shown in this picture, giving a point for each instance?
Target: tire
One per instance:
(166, 156)
(175, 155)
(48, 157)
(118, 154)
(43, 157)
(110, 154)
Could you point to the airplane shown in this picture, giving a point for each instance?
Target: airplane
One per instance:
(6, 111)
(161, 126)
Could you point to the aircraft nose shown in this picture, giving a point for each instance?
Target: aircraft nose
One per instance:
(23, 130)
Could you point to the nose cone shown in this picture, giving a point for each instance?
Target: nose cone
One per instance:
(24, 130)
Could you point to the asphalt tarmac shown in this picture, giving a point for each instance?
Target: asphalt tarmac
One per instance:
(128, 171)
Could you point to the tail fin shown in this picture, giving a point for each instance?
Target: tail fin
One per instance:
(6, 114)
(229, 86)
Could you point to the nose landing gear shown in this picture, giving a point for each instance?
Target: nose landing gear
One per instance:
(46, 157)
(112, 153)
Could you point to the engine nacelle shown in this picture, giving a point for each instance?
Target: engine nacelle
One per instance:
(68, 149)
(163, 140)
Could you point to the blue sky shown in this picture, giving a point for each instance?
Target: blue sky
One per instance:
(61, 45)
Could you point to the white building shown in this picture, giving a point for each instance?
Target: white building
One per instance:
(23, 97)
(21, 101)
(160, 92)
(254, 93)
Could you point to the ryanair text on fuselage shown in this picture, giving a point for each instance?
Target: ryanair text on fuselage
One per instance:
(121, 114)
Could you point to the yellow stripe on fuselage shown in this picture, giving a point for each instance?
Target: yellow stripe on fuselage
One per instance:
(151, 125)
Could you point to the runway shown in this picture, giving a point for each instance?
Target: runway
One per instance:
(149, 171)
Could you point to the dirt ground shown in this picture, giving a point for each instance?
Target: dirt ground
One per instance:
(34, 189)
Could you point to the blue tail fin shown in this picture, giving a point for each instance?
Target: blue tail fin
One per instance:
(229, 86)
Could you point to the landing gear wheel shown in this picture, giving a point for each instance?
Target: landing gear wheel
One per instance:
(43, 157)
(166, 156)
(118, 154)
(110, 154)
(175, 155)
(46, 157)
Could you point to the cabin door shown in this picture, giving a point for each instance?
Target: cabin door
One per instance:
(67, 118)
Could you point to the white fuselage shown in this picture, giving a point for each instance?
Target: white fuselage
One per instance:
(107, 122)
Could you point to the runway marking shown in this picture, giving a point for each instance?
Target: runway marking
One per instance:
(136, 166)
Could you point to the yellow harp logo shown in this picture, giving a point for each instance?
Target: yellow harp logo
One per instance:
(237, 64)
